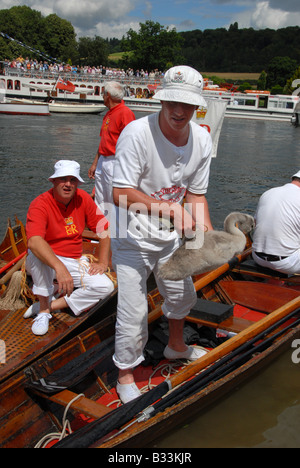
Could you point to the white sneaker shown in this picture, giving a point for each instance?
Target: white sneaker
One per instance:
(41, 323)
(127, 392)
(33, 310)
(191, 354)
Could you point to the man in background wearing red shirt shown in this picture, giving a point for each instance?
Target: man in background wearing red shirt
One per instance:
(114, 121)
(55, 223)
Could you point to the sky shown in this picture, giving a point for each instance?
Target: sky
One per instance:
(113, 18)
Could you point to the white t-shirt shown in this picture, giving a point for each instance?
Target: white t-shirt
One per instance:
(278, 221)
(147, 161)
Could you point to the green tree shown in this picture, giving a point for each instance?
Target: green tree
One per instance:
(262, 81)
(279, 71)
(152, 47)
(23, 25)
(52, 35)
(93, 52)
(60, 38)
(293, 83)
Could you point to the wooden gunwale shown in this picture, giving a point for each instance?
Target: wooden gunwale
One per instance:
(43, 415)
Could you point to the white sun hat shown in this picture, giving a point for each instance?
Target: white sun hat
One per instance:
(297, 175)
(64, 168)
(182, 84)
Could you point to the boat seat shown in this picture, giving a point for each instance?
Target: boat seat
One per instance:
(216, 315)
(81, 404)
(250, 265)
(252, 268)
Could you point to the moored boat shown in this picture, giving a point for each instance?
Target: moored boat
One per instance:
(21, 346)
(70, 392)
(76, 108)
(16, 107)
(250, 105)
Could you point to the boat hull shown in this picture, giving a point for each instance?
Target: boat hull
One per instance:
(254, 105)
(28, 413)
(15, 108)
(73, 108)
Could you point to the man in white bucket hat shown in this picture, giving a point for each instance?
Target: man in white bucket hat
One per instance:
(276, 240)
(160, 159)
(55, 223)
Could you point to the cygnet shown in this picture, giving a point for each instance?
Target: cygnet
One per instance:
(209, 250)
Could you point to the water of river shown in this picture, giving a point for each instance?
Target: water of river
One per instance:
(253, 156)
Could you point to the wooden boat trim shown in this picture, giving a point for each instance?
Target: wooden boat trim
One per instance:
(143, 433)
(137, 435)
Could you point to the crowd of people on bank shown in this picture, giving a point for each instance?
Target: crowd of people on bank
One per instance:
(33, 65)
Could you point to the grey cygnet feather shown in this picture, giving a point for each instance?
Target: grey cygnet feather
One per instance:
(216, 248)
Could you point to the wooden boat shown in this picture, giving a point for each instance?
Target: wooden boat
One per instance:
(70, 392)
(16, 107)
(21, 346)
(76, 108)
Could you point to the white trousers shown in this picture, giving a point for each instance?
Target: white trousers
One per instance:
(103, 183)
(289, 266)
(133, 268)
(90, 288)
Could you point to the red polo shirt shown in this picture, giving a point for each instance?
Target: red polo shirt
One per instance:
(62, 226)
(114, 121)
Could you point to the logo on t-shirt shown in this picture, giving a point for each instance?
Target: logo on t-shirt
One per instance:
(106, 124)
(70, 226)
(173, 193)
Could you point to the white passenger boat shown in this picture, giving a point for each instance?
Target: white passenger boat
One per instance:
(257, 104)
(87, 89)
(296, 116)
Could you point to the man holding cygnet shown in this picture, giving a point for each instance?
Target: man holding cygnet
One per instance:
(160, 160)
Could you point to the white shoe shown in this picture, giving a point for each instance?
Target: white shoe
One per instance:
(33, 310)
(41, 323)
(191, 354)
(127, 392)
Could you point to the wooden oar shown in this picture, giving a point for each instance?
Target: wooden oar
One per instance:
(11, 263)
(9, 274)
(233, 343)
(90, 434)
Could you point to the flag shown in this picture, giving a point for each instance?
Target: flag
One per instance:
(65, 85)
(211, 118)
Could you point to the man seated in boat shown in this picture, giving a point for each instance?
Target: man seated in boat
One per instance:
(160, 159)
(55, 223)
(276, 241)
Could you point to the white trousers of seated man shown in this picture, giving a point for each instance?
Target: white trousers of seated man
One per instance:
(133, 268)
(289, 265)
(90, 288)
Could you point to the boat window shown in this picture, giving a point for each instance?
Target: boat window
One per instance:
(97, 90)
(250, 102)
(263, 102)
(18, 85)
(32, 90)
(9, 84)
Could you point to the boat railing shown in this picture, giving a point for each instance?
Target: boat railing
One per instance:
(83, 77)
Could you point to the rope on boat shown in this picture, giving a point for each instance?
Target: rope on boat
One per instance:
(66, 427)
(166, 371)
(93, 259)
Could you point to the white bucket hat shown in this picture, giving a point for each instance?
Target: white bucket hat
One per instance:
(66, 168)
(297, 175)
(182, 84)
